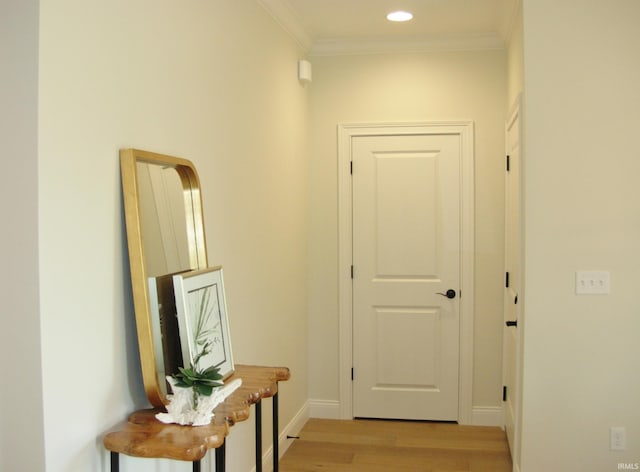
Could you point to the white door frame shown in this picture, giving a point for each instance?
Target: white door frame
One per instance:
(464, 130)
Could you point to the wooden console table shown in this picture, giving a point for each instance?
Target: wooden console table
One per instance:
(144, 436)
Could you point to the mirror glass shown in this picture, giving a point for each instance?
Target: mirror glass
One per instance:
(162, 219)
(165, 235)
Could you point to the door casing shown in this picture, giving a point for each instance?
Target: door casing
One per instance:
(464, 130)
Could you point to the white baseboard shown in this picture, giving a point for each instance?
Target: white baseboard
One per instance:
(291, 429)
(487, 416)
(480, 415)
(325, 409)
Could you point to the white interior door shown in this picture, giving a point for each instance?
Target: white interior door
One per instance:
(513, 282)
(406, 256)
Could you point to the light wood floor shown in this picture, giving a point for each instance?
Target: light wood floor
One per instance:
(396, 446)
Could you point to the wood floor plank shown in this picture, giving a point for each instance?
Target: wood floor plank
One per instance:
(407, 446)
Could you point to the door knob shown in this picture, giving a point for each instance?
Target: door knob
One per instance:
(511, 323)
(449, 294)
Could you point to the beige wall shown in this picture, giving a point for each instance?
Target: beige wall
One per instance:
(214, 82)
(440, 86)
(21, 431)
(515, 59)
(582, 212)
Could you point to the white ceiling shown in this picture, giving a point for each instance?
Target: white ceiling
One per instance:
(347, 26)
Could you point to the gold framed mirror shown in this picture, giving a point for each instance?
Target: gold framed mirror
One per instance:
(165, 236)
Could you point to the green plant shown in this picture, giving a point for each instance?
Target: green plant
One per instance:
(201, 381)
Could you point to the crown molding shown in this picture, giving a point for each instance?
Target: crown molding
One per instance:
(343, 47)
(284, 15)
(513, 17)
(289, 21)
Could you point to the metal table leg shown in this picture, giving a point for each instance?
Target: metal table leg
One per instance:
(276, 433)
(220, 457)
(115, 462)
(259, 436)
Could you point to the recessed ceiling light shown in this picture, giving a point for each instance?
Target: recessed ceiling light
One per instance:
(399, 16)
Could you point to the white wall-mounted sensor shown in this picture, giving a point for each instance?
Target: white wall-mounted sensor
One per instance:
(304, 71)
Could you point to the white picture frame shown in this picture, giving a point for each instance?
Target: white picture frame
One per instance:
(202, 318)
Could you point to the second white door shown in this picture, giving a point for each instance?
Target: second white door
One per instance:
(406, 280)
(513, 284)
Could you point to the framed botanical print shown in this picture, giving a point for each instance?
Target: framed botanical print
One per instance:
(202, 319)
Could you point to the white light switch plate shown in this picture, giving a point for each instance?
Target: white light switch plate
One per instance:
(618, 438)
(593, 282)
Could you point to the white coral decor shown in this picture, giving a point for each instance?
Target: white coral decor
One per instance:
(181, 409)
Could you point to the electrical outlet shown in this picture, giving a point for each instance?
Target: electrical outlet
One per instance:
(592, 282)
(618, 438)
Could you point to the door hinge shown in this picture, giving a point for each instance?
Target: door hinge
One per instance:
(504, 393)
(352, 272)
(352, 373)
(508, 163)
(506, 280)
(351, 167)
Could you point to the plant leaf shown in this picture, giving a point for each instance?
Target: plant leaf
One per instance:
(204, 389)
(212, 373)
